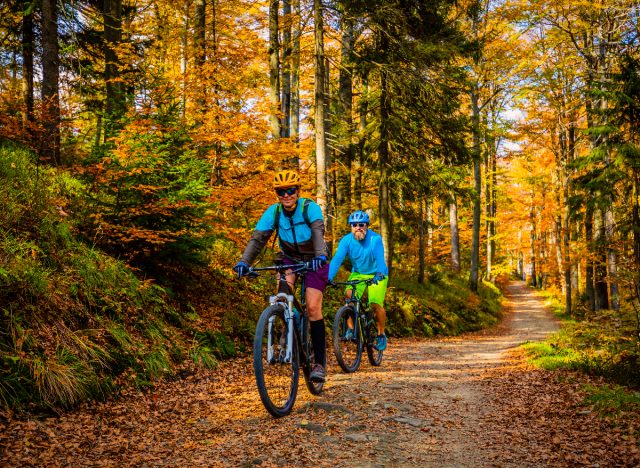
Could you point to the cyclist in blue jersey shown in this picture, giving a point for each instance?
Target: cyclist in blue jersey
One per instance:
(300, 229)
(366, 253)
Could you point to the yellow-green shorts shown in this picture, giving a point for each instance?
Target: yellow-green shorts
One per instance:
(376, 293)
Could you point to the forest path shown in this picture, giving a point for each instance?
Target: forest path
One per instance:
(461, 401)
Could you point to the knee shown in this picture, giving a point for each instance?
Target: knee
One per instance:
(315, 311)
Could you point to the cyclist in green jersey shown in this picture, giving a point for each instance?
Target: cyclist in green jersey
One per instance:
(366, 253)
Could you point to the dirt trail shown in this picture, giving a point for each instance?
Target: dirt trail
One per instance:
(431, 403)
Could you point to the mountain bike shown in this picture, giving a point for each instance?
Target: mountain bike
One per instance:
(282, 345)
(354, 328)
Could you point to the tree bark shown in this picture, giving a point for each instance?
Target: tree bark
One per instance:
(421, 254)
(532, 236)
(200, 52)
(115, 99)
(274, 69)
(295, 74)
(344, 153)
(477, 177)
(384, 202)
(320, 118)
(590, 270)
(286, 69)
(363, 111)
(601, 287)
(50, 82)
(455, 236)
(27, 61)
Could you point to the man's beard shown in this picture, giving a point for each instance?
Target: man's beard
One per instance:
(359, 235)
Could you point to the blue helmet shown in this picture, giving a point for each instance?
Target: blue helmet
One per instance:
(358, 217)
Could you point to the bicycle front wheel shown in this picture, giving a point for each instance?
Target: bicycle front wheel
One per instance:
(347, 340)
(276, 367)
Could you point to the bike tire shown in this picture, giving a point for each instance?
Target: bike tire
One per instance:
(315, 388)
(277, 380)
(348, 351)
(374, 355)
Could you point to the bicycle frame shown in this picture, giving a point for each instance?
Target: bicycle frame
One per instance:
(359, 304)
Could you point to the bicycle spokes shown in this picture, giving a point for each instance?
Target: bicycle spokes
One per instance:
(276, 361)
(347, 342)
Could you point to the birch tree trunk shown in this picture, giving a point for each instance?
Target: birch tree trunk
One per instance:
(532, 236)
(455, 236)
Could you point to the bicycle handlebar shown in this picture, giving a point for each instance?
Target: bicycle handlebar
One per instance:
(335, 284)
(295, 268)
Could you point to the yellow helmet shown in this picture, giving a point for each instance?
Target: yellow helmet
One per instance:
(286, 179)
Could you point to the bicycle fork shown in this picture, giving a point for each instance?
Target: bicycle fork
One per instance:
(286, 352)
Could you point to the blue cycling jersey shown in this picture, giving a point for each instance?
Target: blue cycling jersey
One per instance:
(293, 229)
(367, 255)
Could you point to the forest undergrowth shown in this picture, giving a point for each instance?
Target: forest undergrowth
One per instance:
(603, 344)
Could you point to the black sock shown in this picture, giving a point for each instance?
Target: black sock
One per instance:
(318, 340)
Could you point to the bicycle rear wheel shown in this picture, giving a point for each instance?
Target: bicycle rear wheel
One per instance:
(276, 373)
(314, 387)
(347, 341)
(374, 355)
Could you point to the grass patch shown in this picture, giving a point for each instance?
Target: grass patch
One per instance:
(550, 357)
(612, 400)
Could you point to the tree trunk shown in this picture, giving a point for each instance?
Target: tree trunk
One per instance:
(328, 156)
(589, 270)
(359, 165)
(184, 43)
(274, 69)
(532, 235)
(566, 231)
(384, 202)
(115, 102)
(344, 153)
(490, 207)
(477, 177)
(636, 218)
(217, 178)
(455, 236)
(286, 69)
(27, 61)
(50, 82)
(295, 74)
(601, 287)
(612, 262)
(200, 52)
(320, 118)
(428, 205)
(421, 242)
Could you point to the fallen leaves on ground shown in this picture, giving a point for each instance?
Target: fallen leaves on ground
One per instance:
(456, 402)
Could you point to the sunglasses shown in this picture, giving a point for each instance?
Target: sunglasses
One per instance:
(360, 225)
(286, 191)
